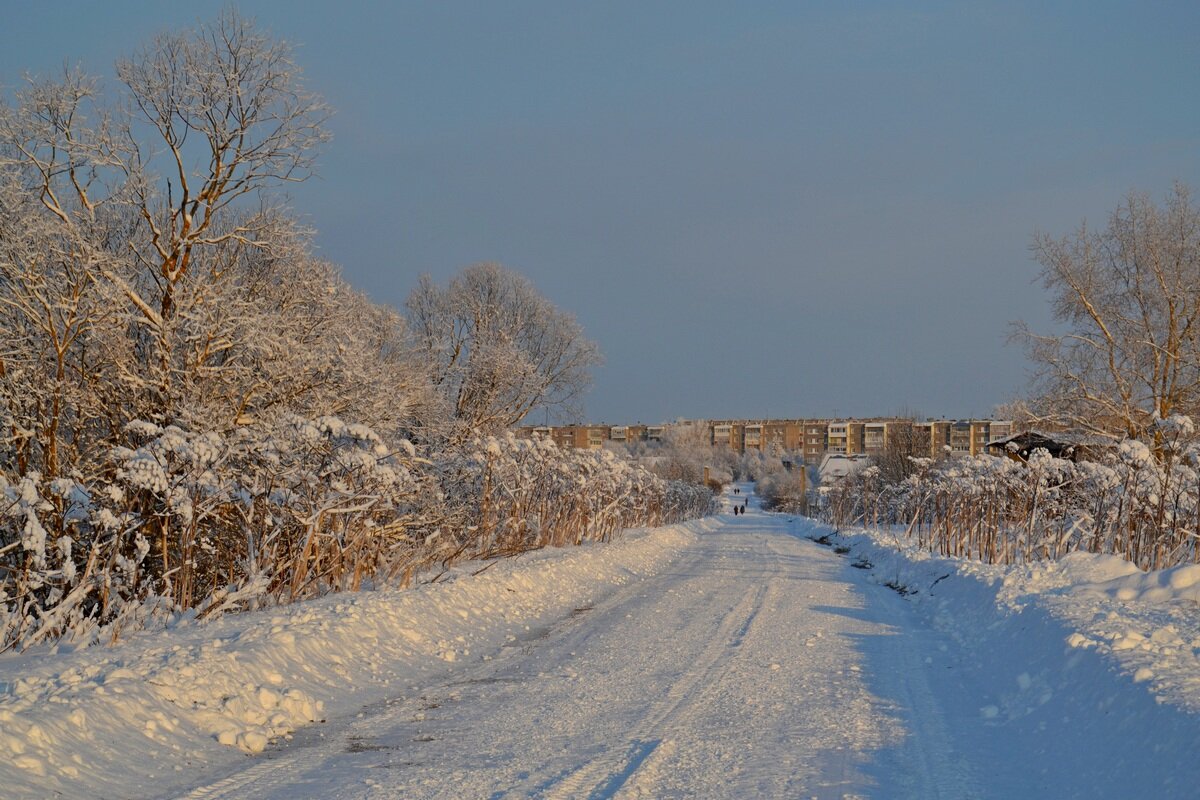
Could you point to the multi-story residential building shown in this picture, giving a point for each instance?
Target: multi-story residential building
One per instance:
(846, 436)
(742, 435)
(980, 436)
(576, 436)
(837, 437)
(856, 437)
(752, 437)
(722, 435)
(582, 437)
(874, 438)
(563, 436)
(815, 441)
(960, 437)
(635, 433)
(1000, 429)
(812, 439)
(774, 436)
(939, 439)
(899, 433)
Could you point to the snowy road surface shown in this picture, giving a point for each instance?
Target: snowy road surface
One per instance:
(736, 672)
(724, 657)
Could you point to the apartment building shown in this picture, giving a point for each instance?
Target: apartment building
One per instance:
(995, 431)
(635, 433)
(722, 435)
(814, 441)
(581, 437)
(837, 438)
(811, 438)
(874, 438)
(960, 438)
(752, 437)
(783, 435)
(742, 435)
(937, 434)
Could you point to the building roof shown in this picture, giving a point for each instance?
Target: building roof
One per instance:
(1064, 444)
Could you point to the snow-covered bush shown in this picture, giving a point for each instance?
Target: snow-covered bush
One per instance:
(785, 491)
(205, 523)
(517, 494)
(1136, 503)
(202, 521)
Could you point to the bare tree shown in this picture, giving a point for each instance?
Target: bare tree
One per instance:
(497, 348)
(684, 453)
(210, 116)
(1018, 410)
(230, 118)
(906, 442)
(1129, 300)
(51, 303)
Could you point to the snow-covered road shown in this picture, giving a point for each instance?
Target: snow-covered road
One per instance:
(726, 657)
(736, 672)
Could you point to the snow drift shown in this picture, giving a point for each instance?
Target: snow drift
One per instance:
(143, 716)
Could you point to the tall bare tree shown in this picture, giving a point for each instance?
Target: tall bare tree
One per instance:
(210, 116)
(229, 117)
(1128, 299)
(497, 348)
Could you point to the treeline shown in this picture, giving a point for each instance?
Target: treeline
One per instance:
(198, 415)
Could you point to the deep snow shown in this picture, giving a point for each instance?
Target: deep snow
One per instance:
(164, 708)
(729, 657)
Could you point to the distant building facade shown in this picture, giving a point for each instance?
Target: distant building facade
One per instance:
(811, 439)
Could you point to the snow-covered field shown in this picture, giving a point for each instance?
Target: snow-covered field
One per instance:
(730, 657)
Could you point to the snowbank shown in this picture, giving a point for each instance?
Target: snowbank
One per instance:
(1088, 663)
(1147, 622)
(143, 716)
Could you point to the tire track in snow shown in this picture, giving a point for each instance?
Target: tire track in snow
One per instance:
(608, 773)
(274, 774)
(803, 727)
(734, 673)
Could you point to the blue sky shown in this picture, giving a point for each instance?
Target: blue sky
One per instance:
(793, 209)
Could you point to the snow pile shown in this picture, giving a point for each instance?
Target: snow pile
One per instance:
(144, 715)
(1086, 650)
(1147, 622)
(1163, 586)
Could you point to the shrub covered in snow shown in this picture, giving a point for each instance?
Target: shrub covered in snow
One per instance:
(1139, 504)
(784, 491)
(518, 494)
(205, 523)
